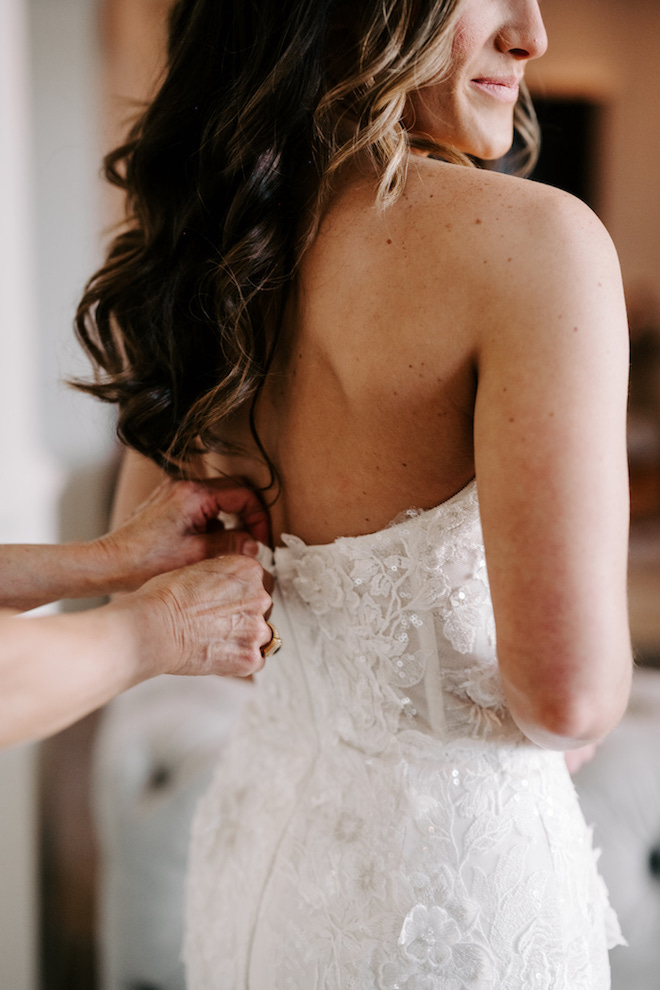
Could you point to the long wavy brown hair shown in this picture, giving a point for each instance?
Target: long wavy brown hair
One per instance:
(226, 175)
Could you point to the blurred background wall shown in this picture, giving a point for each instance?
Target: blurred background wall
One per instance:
(609, 50)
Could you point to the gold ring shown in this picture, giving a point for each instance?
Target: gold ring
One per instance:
(274, 644)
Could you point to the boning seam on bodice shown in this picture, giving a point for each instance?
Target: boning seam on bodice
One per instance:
(428, 641)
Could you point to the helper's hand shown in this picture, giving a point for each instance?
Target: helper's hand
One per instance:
(178, 525)
(205, 619)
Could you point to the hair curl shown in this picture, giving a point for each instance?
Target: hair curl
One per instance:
(226, 174)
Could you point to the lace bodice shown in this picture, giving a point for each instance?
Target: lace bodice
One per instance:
(381, 612)
(380, 821)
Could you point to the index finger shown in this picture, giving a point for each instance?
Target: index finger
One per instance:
(232, 496)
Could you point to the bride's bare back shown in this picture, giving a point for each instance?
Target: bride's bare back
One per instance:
(370, 407)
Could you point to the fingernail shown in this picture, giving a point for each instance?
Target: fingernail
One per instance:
(251, 548)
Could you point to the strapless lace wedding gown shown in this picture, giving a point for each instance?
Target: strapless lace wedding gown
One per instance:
(379, 821)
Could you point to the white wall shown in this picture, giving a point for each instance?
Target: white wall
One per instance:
(28, 480)
(68, 202)
(50, 205)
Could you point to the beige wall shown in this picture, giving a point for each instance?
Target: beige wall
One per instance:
(133, 42)
(611, 50)
(133, 38)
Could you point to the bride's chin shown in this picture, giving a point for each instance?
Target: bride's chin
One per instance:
(492, 147)
(489, 135)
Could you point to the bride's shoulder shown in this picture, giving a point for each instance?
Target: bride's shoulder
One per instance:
(470, 206)
(504, 237)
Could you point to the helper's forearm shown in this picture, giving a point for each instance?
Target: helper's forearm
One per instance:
(55, 669)
(31, 575)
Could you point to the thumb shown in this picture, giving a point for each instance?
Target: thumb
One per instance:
(234, 541)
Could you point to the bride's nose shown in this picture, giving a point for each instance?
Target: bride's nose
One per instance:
(523, 35)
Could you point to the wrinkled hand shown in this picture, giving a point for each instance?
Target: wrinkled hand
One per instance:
(178, 525)
(205, 619)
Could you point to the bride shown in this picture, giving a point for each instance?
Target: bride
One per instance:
(422, 365)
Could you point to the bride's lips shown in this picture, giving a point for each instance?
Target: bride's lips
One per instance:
(502, 88)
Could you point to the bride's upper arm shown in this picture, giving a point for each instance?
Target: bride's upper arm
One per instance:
(551, 467)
